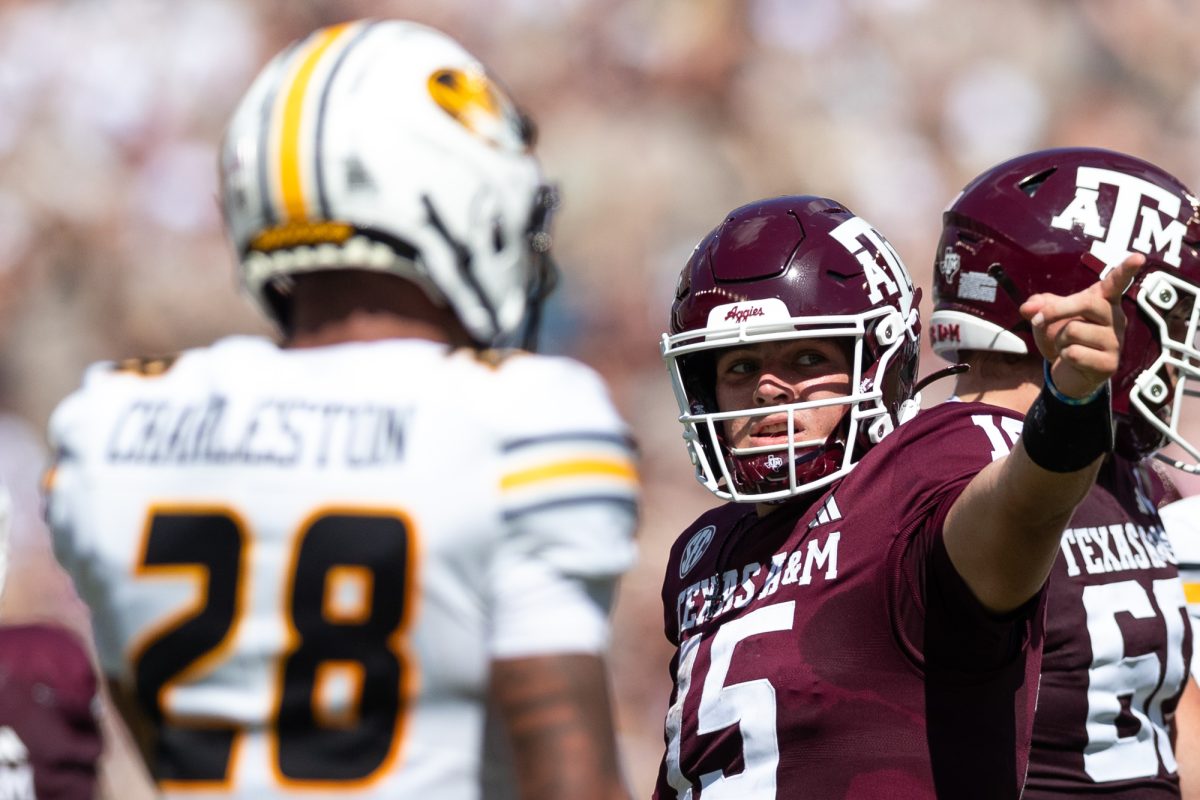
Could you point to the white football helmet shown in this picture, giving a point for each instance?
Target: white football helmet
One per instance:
(385, 145)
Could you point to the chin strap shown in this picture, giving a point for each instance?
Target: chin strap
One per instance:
(945, 372)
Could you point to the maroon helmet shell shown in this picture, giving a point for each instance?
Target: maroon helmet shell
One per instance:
(789, 268)
(1050, 221)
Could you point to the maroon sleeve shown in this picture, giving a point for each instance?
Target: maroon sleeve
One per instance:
(47, 710)
(978, 665)
(941, 616)
(938, 618)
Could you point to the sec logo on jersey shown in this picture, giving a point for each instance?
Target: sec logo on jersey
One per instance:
(695, 548)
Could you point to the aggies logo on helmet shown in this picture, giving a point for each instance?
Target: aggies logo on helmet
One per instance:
(1152, 228)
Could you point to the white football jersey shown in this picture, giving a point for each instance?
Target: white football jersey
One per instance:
(1181, 520)
(304, 560)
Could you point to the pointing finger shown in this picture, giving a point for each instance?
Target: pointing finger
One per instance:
(1117, 280)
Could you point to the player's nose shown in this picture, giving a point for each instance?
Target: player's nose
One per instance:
(773, 390)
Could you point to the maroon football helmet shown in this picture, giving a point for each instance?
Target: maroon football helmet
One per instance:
(781, 269)
(1053, 221)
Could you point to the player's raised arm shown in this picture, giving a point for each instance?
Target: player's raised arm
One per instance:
(1003, 531)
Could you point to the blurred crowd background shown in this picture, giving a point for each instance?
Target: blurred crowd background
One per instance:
(655, 117)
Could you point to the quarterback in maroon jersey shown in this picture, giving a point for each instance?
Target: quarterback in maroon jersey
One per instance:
(1118, 643)
(861, 620)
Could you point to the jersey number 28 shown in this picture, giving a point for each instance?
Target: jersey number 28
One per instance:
(213, 547)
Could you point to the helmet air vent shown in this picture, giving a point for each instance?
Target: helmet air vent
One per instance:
(1034, 182)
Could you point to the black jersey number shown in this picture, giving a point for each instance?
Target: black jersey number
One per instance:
(358, 643)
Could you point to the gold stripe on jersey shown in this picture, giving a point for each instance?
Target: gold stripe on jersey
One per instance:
(576, 468)
(1191, 592)
(290, 117)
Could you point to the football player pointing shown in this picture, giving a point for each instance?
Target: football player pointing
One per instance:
(1117, 639)
(862, 619)
(313, 566)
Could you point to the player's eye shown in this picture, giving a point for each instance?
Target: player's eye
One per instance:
(811, 358)
(737, 364)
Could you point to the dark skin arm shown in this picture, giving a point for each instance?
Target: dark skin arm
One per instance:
(558, 718)
(139, 726)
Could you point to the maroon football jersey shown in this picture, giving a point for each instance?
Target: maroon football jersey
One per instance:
(830, 650)
(1118, 646)
(49, 735)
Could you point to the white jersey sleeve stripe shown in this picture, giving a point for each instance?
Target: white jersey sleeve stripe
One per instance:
(568, 436)
(627, 500)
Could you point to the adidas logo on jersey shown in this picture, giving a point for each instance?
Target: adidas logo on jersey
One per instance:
(829, 513)
(16, 776)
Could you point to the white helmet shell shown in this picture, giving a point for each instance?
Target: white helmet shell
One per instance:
(385, 145)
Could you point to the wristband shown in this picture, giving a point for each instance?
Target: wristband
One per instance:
(1063, 434)
(1048, 383)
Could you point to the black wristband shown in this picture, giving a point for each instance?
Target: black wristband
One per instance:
(1063, 437)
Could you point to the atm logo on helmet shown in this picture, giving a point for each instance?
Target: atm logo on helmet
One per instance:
(1135, 224)
(884, 271)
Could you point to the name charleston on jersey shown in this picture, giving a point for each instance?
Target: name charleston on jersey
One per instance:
(277, 432)
(364, 543)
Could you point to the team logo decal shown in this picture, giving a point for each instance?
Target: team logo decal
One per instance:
(769, 309)
(774, 462)
(481, 106)
(829, 513)
(742, 314)
(884, 271)
(695, 548)
(951, 261)
(1145, 217)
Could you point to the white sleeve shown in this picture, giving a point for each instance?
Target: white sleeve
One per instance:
(1181, 521)
(569, 496)
(72, 439)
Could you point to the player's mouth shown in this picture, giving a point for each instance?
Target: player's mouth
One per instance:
(770, 430)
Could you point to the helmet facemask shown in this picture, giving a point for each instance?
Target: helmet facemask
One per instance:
(877, 342)
(1159, 392)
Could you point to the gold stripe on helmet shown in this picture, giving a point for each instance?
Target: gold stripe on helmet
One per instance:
(291, 117)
